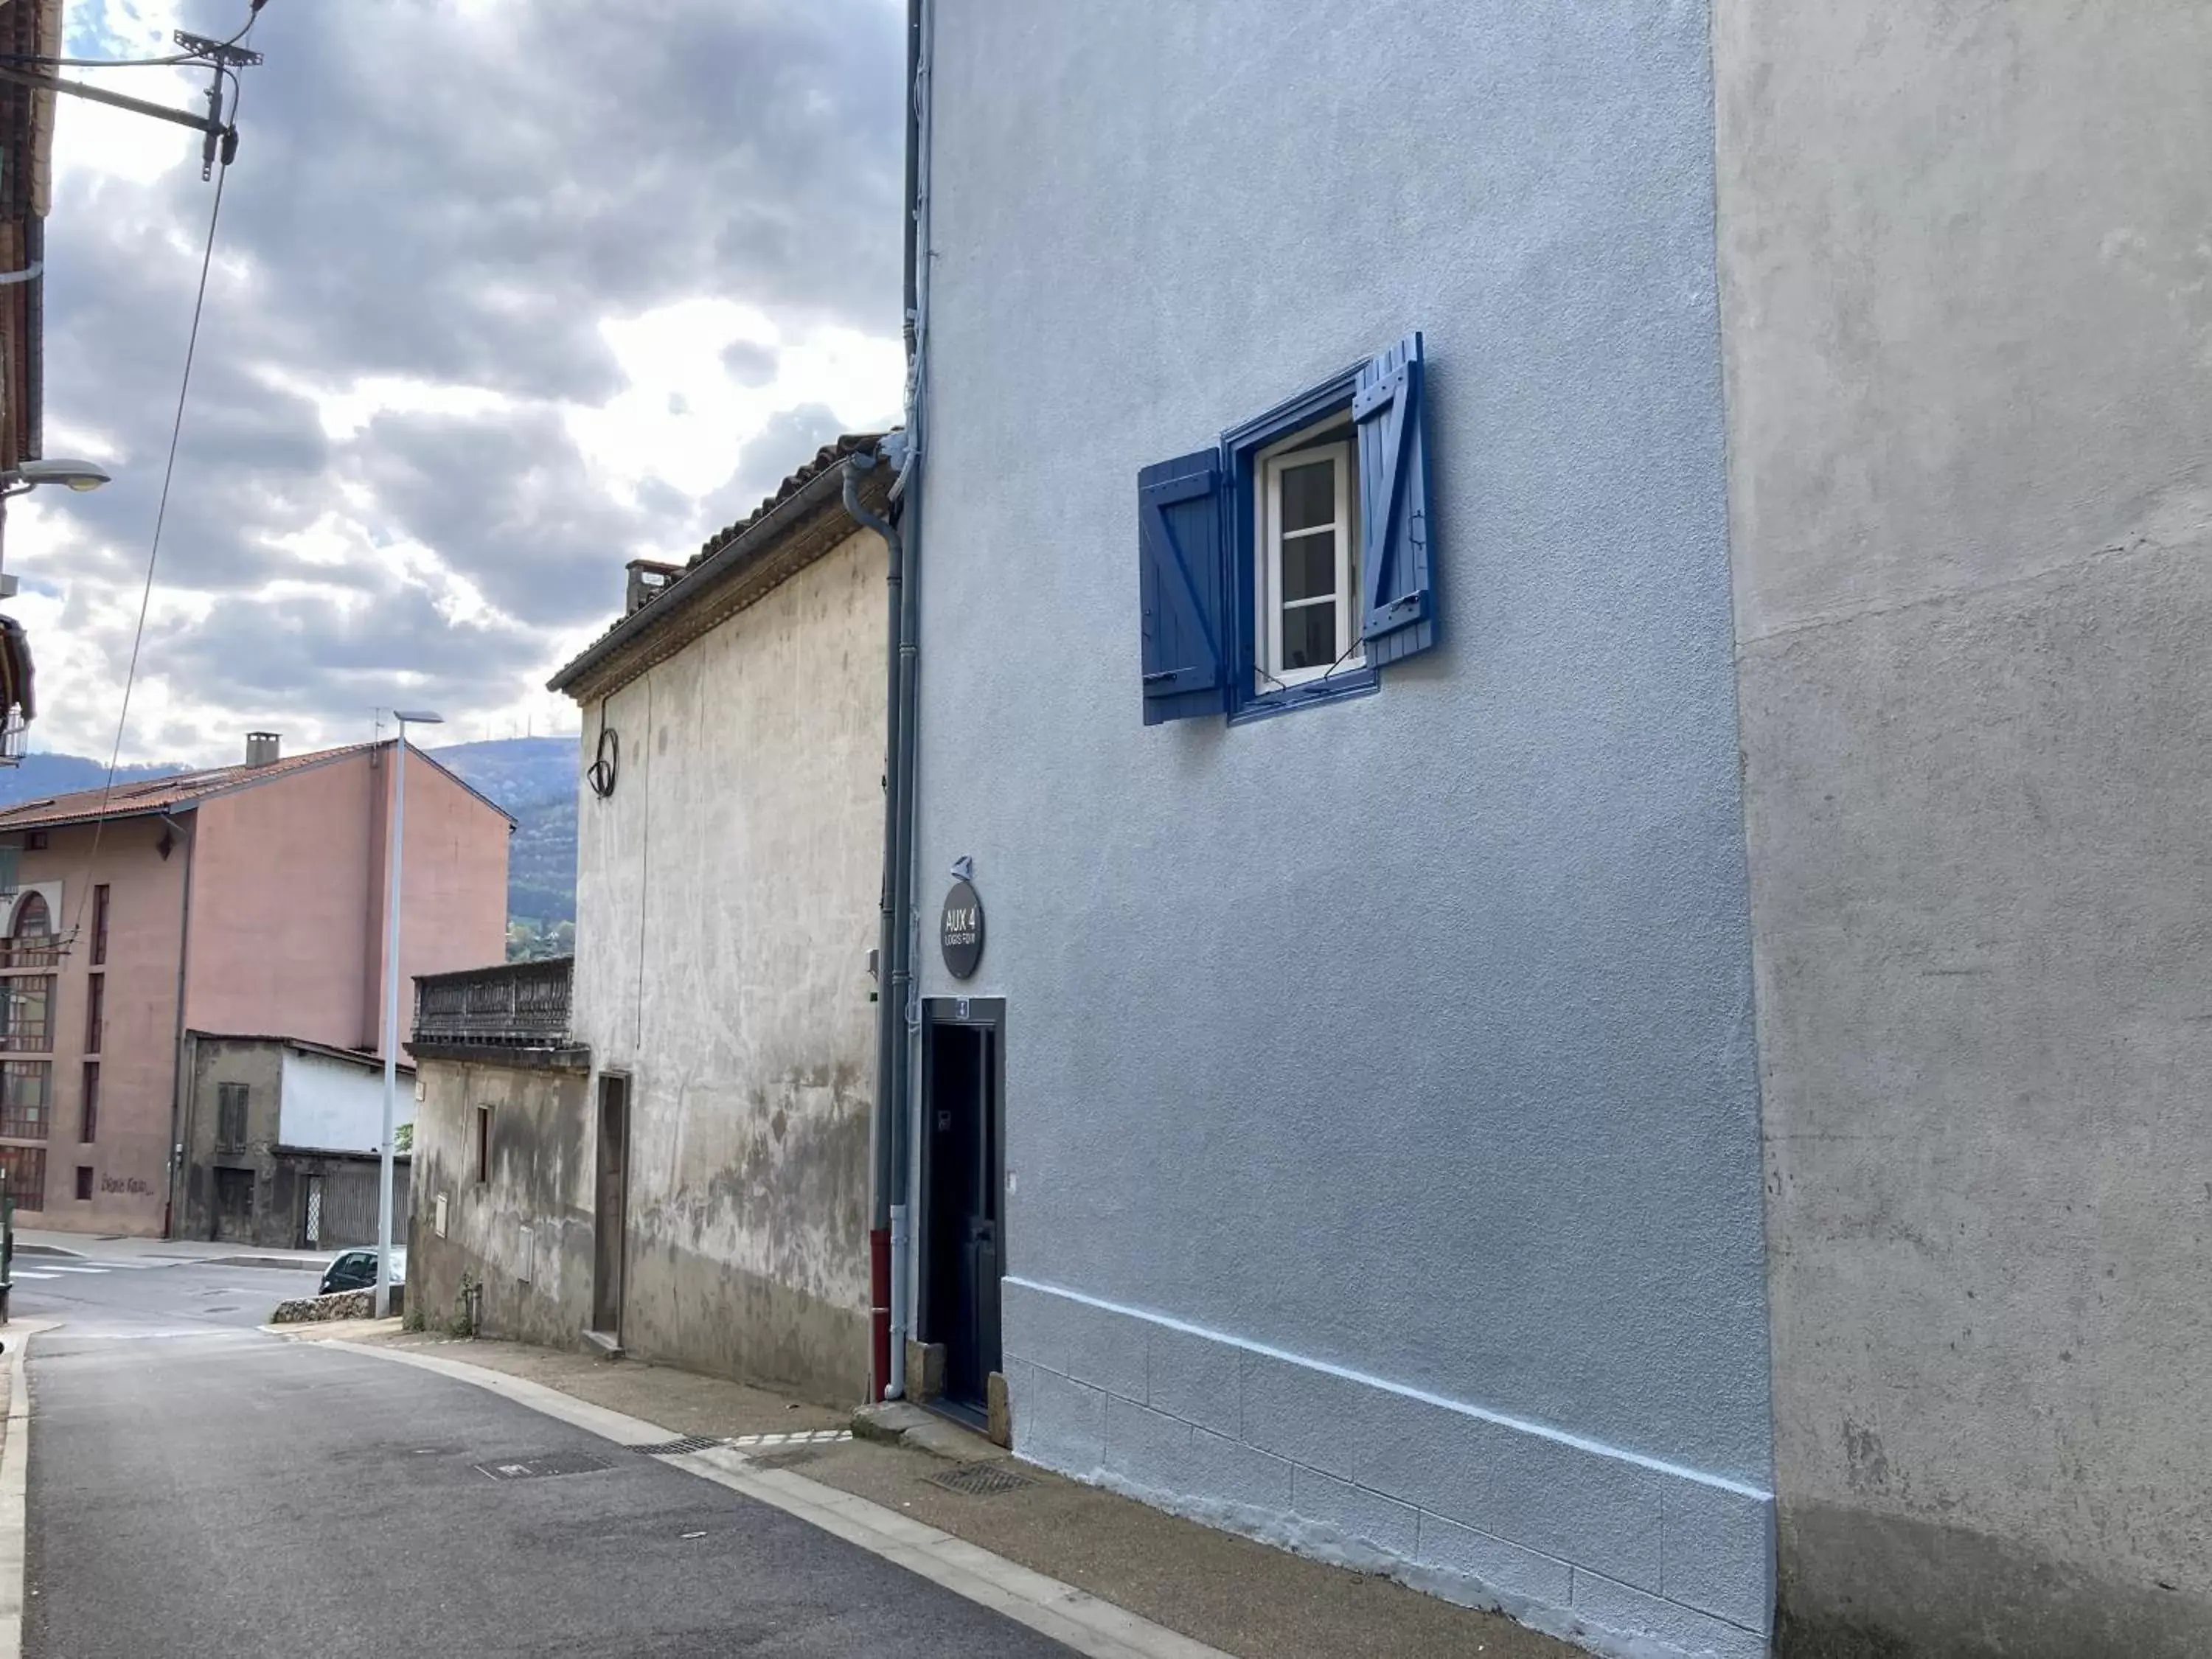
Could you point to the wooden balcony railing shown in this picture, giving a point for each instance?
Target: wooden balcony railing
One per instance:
(515, 1004)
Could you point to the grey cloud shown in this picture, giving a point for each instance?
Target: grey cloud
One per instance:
(504, 500)
(749, 363)
(347, 659)
(421, 195)
(787, 442)
(433, 199)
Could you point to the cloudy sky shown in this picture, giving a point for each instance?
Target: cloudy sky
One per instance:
(506, 292)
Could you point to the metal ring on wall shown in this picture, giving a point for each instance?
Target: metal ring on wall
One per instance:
(606, 764)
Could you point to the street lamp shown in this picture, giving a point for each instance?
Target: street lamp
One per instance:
(77, 475)
(406, 717)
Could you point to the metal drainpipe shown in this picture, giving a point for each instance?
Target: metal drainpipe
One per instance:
(888, 1242)
(180, 1082)
(890, 1018)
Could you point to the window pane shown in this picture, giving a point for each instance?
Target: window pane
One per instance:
(1309, 635)
(1310, 566)
(26, 1000)
(23, 1099)
(1308, 495)
(23, 1176)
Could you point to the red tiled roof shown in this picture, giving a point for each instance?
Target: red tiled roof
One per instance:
(188, 788)
(129, 799)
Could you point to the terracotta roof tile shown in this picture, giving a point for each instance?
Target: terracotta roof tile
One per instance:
(828, 455)
(184, 789)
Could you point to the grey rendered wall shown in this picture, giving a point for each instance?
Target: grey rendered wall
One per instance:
(526, 1234)
(727, 896)
(1968, 333)
(1382, 1109)
(211, 1061)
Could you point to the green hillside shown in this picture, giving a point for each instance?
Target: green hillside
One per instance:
(534, 779)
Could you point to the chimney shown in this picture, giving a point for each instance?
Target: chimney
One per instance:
(647, 578)
(262, 748)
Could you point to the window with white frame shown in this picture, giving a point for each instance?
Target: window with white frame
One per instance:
(1306, 541)
(1290, 563)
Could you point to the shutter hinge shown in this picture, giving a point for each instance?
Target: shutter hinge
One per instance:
(1370, 399)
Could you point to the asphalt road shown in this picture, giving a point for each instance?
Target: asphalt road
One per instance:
(198, 1487)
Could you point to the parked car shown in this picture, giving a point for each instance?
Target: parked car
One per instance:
(355, 1270)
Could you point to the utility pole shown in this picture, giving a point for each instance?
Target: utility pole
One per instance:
(222, 137)
(405, 717)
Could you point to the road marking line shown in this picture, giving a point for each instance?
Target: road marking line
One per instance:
(57, 1267)
(28, 1273)
(1075, 1617)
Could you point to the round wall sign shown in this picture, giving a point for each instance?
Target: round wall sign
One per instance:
(960, 931)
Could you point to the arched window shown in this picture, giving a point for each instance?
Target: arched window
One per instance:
(30, 947)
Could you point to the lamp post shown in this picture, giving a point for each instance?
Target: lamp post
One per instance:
(77, 475)
(405, 717)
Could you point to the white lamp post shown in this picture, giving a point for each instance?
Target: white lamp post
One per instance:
(77, 475)
(405, 717)
(15, 480)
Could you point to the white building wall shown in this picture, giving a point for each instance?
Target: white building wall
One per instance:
(334, 1105)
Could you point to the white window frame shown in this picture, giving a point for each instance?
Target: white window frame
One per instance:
(1303, 449)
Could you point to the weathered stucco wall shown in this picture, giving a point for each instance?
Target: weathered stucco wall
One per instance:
(1381, 1118)
(210, 1062)
(524, 1234)
(726, 900)
(273, 1073)
(1969, 350)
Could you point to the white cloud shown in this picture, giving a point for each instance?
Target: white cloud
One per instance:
(492, 312)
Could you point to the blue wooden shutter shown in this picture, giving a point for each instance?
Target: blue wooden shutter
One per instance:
(1181, 583)
(1396, 559)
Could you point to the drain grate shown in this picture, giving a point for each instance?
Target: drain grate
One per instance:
(689, 1442)
(986, 1480)
(528, 1468)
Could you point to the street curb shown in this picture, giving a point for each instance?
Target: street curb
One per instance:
(15, 1485)
(250, 1261)
(22, 1249)
(1072, 1617)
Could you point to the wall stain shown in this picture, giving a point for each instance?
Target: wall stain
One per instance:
(1868, 1463)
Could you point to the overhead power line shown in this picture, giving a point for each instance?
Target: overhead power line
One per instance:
(161, 512)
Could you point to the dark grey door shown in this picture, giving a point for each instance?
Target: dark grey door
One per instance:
(611, 1205)
(963, 1251)
(233, 1205)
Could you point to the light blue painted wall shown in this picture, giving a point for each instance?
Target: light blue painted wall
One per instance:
(1382, 1098)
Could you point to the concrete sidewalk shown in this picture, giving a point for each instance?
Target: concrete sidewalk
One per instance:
(1228, 1592)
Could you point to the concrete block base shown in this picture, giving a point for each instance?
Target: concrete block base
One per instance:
(925, 1370)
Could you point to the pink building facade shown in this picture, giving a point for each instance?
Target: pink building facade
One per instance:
(245, 898)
